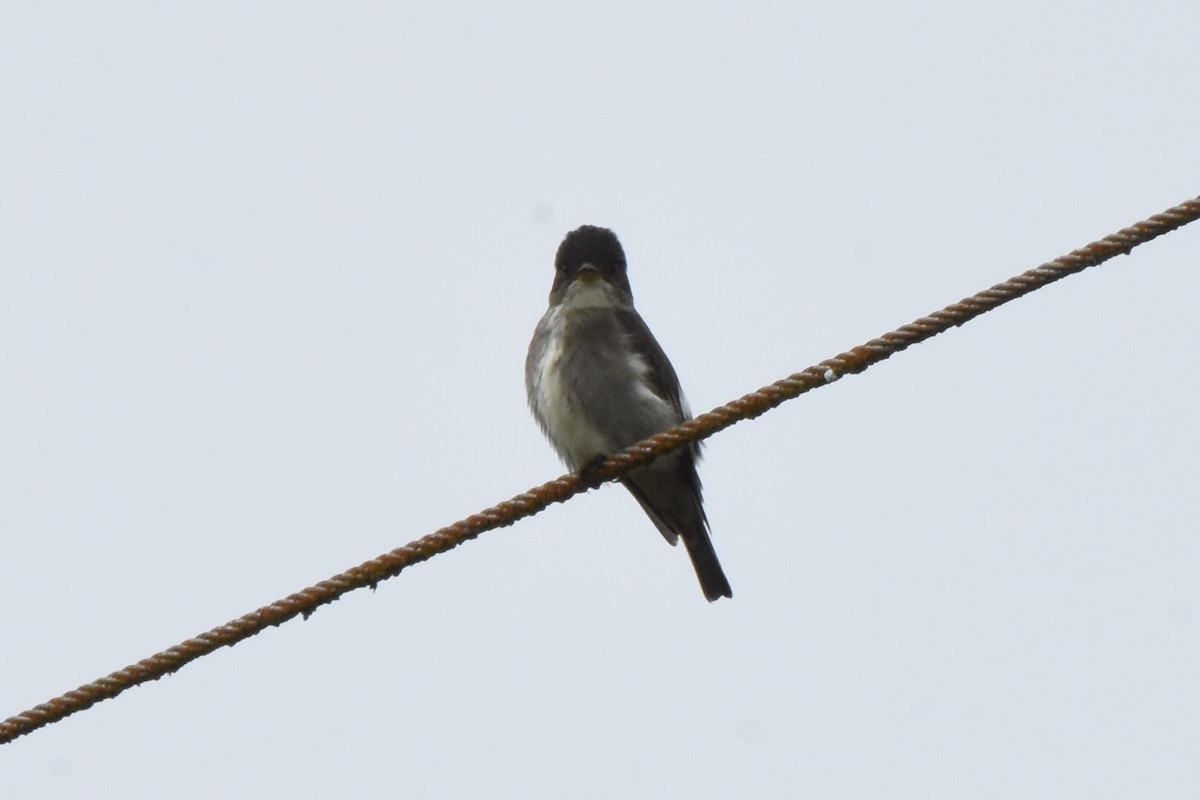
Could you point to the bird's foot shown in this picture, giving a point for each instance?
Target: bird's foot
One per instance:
(589, 473)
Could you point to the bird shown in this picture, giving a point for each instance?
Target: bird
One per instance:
(598, 381)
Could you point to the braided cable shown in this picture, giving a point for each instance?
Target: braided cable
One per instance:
(370, 573)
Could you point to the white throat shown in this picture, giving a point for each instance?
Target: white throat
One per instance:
(593, 293)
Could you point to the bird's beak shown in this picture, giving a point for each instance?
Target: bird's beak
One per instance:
(588, 272)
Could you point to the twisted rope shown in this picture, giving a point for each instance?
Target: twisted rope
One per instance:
(388, 565)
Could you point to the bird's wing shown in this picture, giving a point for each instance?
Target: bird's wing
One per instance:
(662, 374)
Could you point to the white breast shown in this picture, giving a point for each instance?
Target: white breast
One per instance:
(574, 437)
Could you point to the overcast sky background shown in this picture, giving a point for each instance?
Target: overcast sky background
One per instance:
(267, 276)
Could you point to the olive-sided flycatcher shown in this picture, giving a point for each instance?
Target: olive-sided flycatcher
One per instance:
(598, 382)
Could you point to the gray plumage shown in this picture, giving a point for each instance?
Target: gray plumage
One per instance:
(598, 381)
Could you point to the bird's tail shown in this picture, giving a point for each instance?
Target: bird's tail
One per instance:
(669, 493)
(713, 582)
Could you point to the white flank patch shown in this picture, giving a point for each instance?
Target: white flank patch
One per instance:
(644, 388)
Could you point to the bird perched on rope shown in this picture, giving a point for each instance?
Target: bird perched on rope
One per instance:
(598, 382)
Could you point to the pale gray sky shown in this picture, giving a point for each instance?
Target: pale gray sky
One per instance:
(267, 276)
